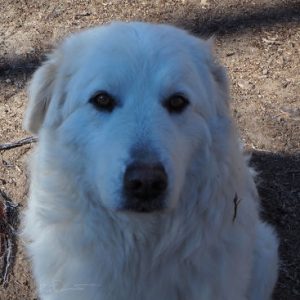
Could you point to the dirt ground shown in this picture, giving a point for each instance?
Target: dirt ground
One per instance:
(259, 43)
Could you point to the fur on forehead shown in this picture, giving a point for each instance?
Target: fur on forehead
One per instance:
(135, 40)
(121, 35)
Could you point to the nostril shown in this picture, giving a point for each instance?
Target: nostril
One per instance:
(159, 185)
(134, 184)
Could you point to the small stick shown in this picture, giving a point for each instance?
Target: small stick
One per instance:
(236, 202)
(9, 221)
(22, 142)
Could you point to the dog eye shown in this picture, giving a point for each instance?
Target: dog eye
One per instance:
(103, 101)
(176, 103)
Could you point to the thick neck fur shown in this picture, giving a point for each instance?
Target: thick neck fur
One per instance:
(134, 240)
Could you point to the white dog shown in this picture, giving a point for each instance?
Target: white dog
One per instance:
(139, 188)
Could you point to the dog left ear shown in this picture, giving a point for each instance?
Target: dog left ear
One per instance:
(218, 71)
(40, 94)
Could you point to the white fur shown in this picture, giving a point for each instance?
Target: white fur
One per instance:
(82, 244)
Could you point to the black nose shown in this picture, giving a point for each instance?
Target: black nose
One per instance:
(145, 182)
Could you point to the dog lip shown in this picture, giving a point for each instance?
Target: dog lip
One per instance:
(135, 205)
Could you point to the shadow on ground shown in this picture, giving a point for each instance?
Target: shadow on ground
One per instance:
(279, 189)
(220, 22)
(214, 21)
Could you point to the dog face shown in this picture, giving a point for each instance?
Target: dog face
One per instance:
(135, 104)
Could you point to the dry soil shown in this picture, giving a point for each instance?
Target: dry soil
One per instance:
(259, 43)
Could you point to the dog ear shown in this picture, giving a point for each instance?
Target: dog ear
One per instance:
(40, 94)
(218, 71)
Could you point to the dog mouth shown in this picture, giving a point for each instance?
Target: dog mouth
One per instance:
(142, 206)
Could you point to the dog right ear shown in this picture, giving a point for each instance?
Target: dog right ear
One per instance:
(40, 94)
(218, 71)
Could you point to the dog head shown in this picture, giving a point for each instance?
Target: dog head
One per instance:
(140, 106)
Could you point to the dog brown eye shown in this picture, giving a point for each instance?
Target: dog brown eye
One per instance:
(176, 103)
(103, 101)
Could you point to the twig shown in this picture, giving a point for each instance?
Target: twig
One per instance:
(236, 202)
(22, 142)
(9, 221)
